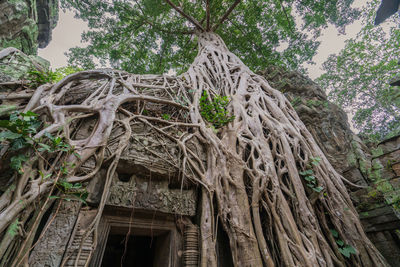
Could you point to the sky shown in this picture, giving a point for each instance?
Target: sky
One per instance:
(67, 34)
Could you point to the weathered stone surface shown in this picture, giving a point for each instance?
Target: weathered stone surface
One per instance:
(390, 144)
(396, 168)
(50, 250)
(27, 24)
(325, 120)
(387, 243)
(15, 65)
(86, 217)
(355, 176)
(47, 14)
(347, 153)
(152, 195)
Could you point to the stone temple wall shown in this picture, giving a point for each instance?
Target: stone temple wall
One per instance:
(379, 205)
(377, 170)
(27, 24)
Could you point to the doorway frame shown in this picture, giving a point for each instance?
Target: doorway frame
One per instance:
(146, 223)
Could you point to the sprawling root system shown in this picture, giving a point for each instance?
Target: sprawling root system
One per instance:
(248, 170)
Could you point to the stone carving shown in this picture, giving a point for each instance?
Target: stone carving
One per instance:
(152, 195)
(85, 218)
(50, 250)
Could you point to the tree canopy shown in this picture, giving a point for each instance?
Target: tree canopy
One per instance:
(148, 36)
(358, 78)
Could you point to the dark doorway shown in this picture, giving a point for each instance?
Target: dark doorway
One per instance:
(140, 251)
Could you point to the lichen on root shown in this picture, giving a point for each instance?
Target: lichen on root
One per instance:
(248, 170)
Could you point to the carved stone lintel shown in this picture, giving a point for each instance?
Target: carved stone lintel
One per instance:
(152, 195)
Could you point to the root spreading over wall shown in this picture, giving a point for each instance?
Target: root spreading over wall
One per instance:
(248, 171)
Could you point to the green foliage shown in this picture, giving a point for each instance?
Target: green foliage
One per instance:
(166, 117)
(38, 77)
(344, 248)
(71, 191)
(62, 72)
(396, 201)
(19, 132)
(215, 110)
(13, 228)
(376, 152)
(308, 175)
(357, 79)
(295, 101)
(347, 250)
(147, 36)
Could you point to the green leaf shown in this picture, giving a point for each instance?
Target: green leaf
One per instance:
(16, 162)
(29, 114)
(18, 143)
(307, 172)
(4, 124)
(334, 233)
(44, 147)
(166, 117)
(347, 251)
(14, 116)
(340, 242)
(351, 249)
(77, 186)
(344, 252)
(48, 135)
(318, 189)
(54, 197)
(317, 159)
(57, 140)
(9, 135)
(310, 179)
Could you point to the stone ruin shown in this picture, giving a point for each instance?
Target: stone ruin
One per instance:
(147, 215)
(377, 168)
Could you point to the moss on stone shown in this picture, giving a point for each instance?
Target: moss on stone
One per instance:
(376, 152)
(352, 160)
(20, 65)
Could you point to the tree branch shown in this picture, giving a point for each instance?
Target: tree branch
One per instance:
(189, 18)
(164, 30)
(286, 15)
(226, 15)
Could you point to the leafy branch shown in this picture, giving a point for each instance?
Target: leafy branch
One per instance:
(215, 110)
(19, 134)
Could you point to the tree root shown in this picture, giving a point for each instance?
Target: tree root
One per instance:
(248, 170)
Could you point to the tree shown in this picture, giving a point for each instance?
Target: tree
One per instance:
(260, 172)
(358, 78)
(136, 37)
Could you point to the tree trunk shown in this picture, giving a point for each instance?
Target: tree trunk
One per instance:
(253, 171)
(263, 202)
